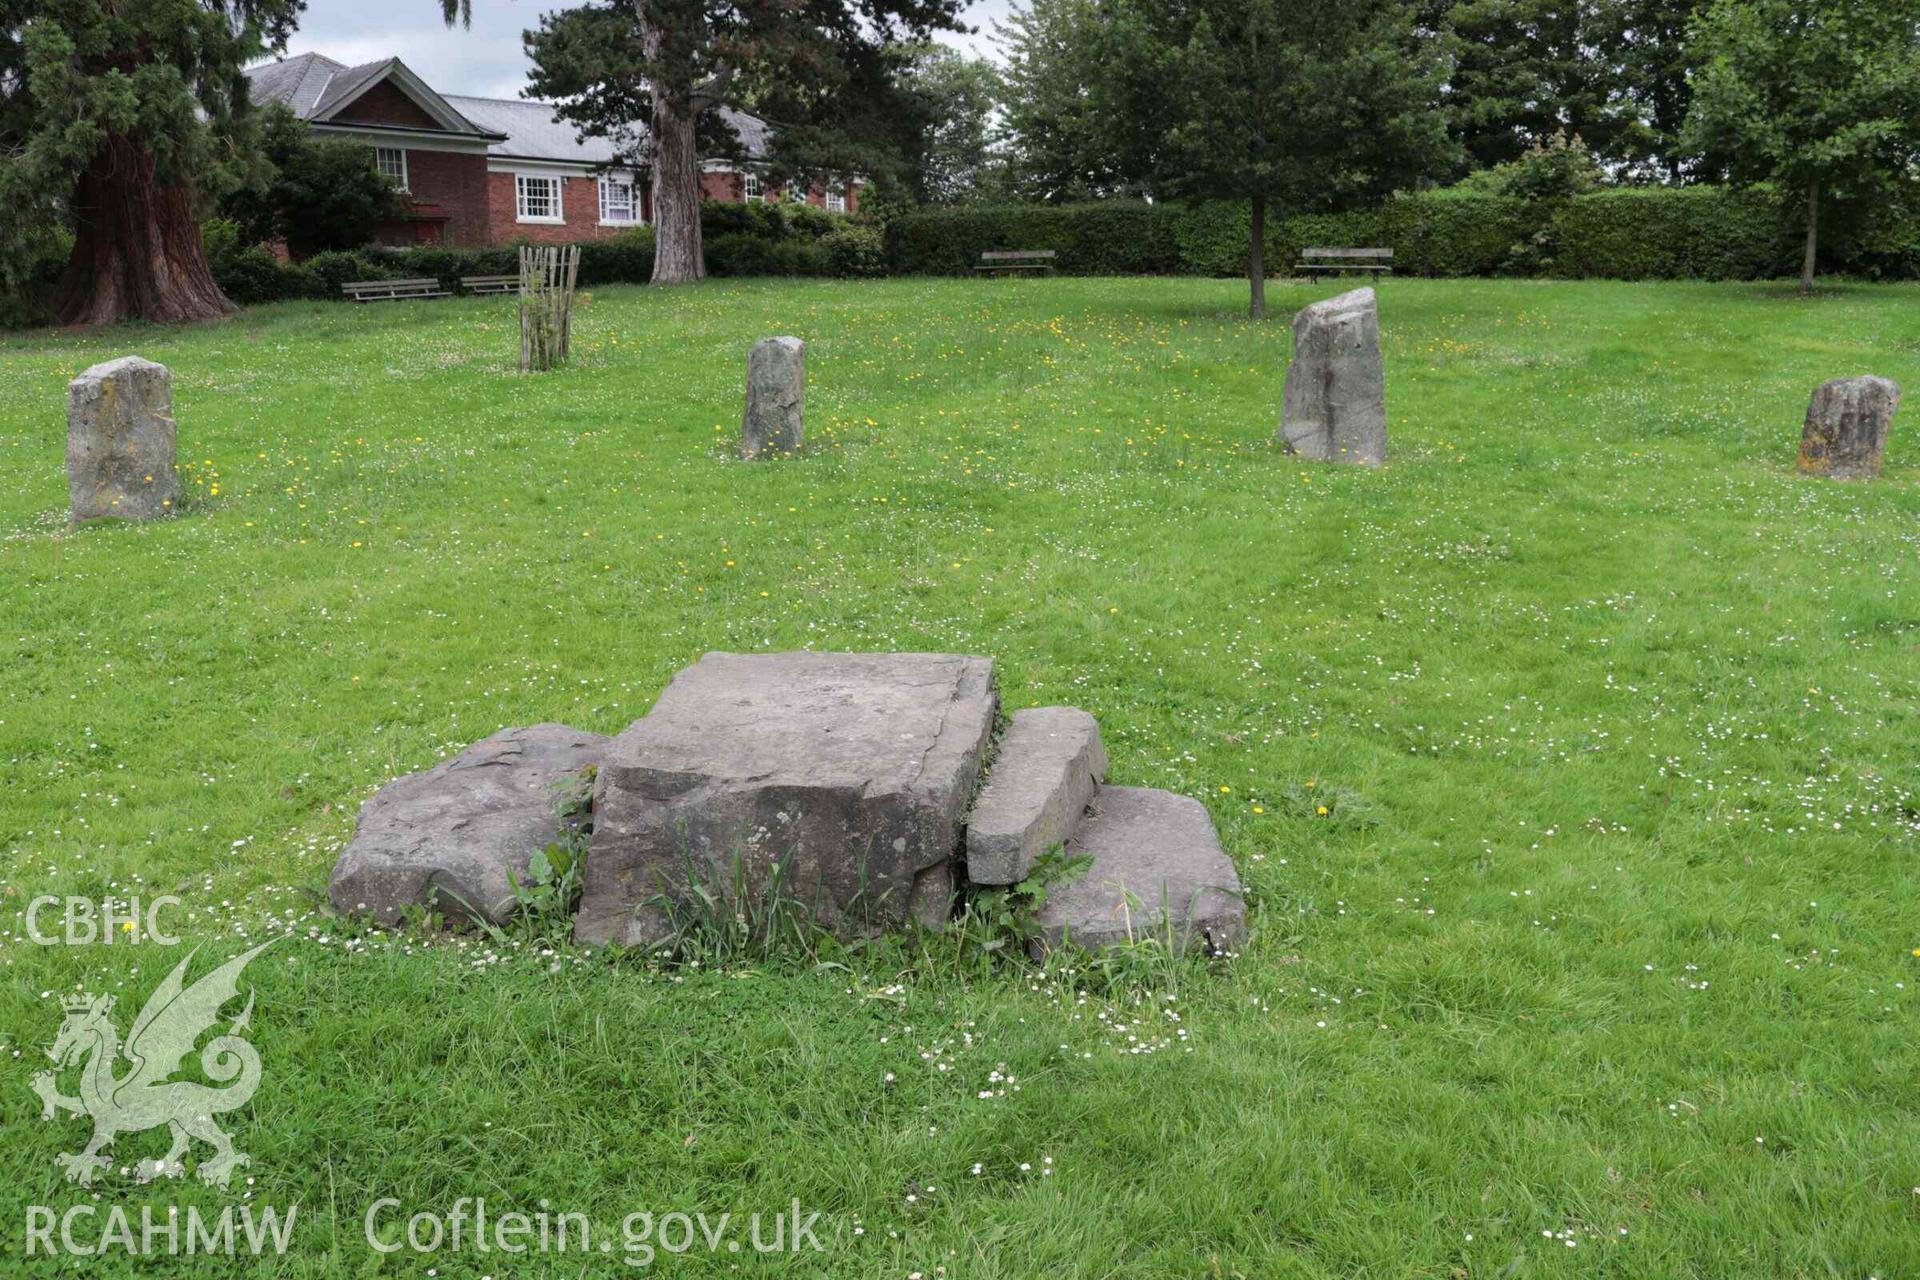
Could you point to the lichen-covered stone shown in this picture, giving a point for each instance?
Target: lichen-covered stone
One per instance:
(121, 442)
(446, 838)
(1334, 404)
(1049, 763)
(837, 780)
(1158, 872)
(776, 398)
(1846, 430)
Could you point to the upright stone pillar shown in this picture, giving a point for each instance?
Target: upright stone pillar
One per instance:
(776, 392)
(1846, 431)
(121, 441)
(1334, 407)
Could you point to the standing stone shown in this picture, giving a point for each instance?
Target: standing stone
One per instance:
(776, 390)
(447, 838)
(121, 441)
(1334, 407)
(1048, 766)
(1846, 431)
(839, 780)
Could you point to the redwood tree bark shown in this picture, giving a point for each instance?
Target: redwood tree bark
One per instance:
(679, 256)
(136, 248)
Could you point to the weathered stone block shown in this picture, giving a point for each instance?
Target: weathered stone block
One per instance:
(121, 441)
(776, 396)
(1048, 766)
(1334, 404)
(447, 837)
(848, 772)
(1846, 430)
(1158, 869)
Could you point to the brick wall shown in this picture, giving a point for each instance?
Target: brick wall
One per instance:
(579, 201)
(457, 183)
(384, 104)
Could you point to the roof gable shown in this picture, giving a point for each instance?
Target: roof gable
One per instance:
(319, 90)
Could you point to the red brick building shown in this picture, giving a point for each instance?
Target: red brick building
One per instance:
(484, 171)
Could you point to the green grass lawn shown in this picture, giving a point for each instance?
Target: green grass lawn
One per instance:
(1600, 962)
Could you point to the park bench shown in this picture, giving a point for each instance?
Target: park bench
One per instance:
(1345, 260)
(391, 290)
(995, 261)
(490, 284)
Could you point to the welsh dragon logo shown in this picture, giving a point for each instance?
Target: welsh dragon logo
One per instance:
(143, 1097)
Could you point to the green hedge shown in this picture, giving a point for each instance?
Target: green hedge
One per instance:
(1115, 237)
(1705, 233)
(741, 239)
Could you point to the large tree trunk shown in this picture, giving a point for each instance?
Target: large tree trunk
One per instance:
(1813, 237)
(136, 248)
(1257, 261)
(678, 255)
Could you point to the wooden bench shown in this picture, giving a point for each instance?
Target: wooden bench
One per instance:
(490, 284)
(1345, 260)
(392, 290)
(998, 260)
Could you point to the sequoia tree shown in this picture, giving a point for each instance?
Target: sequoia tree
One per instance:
(651, 74)
(121, 118)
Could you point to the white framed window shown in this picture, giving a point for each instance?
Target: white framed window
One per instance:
(619, 202)
(536, 198)
(837, 198)
(392, 163)
(750, 188)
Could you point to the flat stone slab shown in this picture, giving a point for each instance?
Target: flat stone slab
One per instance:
(121, 442)
(1845, 436)
(846, 774)
(1048, 766)
(1334, 404)
(1156, 860)
(447, 837)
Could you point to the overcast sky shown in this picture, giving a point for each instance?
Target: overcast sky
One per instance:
(485, 62)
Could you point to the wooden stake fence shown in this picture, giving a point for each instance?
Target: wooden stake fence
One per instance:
(547, 273)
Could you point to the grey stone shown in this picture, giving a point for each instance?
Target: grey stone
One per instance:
(1846, 431)
(1048, 766)
(776, 394)
(121, 441)
(848, 772)
(447, 837)
(1157, 865)
(1334, 406)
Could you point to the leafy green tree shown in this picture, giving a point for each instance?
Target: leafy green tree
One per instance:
(958, 96)
(1298, 104)
(123, 118)
(652, 74)
(1650, 54)
(316, 193)
(1061, 103)
(1528, 69)
(1819, 96)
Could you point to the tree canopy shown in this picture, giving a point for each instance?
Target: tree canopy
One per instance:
(651, 74)
(1819, 96)
(1294, 103)
(125, 119)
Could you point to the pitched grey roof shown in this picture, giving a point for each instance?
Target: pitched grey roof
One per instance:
(535, 131)
(313, 86)
(347, 84)
(297, 82)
